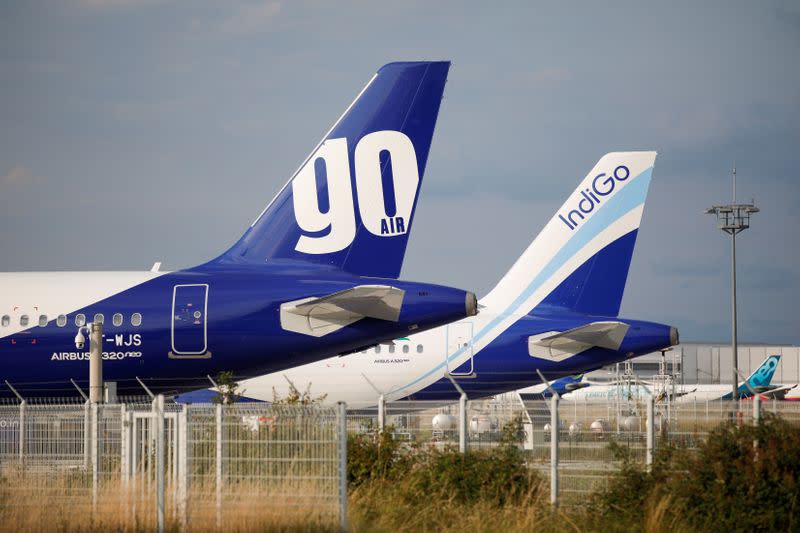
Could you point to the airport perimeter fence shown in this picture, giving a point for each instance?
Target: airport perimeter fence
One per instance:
(188, 467)
(259, 466)
(577, 459)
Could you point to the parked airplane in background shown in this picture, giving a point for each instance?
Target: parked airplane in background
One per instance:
(555, 312)
(561, 386)
(577, 389)
(292, 290)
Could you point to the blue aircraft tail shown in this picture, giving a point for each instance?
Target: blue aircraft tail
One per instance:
(351, 203)
(580, 260)
(565, 385)
(760, 378)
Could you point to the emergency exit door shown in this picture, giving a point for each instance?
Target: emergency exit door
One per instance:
(189, 321)
(459, 345)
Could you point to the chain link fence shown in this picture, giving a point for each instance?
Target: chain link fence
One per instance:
(195, 467)
(199, 467)
(585, 459)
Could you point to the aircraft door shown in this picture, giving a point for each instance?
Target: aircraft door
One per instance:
(459, 339)
(189, 321)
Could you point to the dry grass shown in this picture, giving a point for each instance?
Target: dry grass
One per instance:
(65, 503)
(377, 508)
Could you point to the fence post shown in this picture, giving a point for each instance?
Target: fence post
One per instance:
(182, 434)
(160, 456)
(95, 452)
(342, 416)
(87, 437)
(462, 423)
(125, 445)
(381, 412)
(756, 420)
(23, 407)
(554, 435)
(756, 409)
(651, 431)
(218, 463)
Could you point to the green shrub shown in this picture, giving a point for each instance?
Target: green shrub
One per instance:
(496, 476)
(727, 484)
(375, 456)
(419, 475)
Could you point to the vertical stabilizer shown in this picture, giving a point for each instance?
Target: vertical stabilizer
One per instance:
(351, 203)
(580, 260)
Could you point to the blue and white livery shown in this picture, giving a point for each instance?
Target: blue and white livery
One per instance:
(555, 311)
(292, 290)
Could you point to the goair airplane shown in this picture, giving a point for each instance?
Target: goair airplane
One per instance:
(576, 389)
(312, 277)
(554, 312)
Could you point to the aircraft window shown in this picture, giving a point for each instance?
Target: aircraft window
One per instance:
(117, 319)
(42, 321)
(378, 349)
(23, 320)
(405, 348)
(136, 319)
(99, 318)
(419, 348)
(391, 348)
(80, 320)
(61, 321)
(6, 321)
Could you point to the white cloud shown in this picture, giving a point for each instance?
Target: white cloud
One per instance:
(251, 17)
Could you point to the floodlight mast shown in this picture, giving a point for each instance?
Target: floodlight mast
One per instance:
(733, 219)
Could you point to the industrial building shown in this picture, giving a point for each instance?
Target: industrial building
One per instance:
(710, 363)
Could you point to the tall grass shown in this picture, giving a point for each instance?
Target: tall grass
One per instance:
(741, 478)
(36, 503)
(412, 488)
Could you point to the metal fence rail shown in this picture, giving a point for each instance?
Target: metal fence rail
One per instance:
(194, 466)
(585, 430)
(259, 466)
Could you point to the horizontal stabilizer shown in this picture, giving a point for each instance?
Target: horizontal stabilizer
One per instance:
(319, 316)
(557, 346)
(777, 393)
(569, 387)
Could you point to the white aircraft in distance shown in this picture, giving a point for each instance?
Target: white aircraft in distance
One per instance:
(555, 312)
(577, 389)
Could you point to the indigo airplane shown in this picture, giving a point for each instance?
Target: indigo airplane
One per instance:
(554, 312)
(312, 277)
(578, 389)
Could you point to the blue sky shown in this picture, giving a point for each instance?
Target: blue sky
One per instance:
(136, 131)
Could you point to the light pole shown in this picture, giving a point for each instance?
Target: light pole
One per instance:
(733, 219)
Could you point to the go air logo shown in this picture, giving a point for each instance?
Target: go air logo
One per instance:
(602, 186)
(332, 158)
